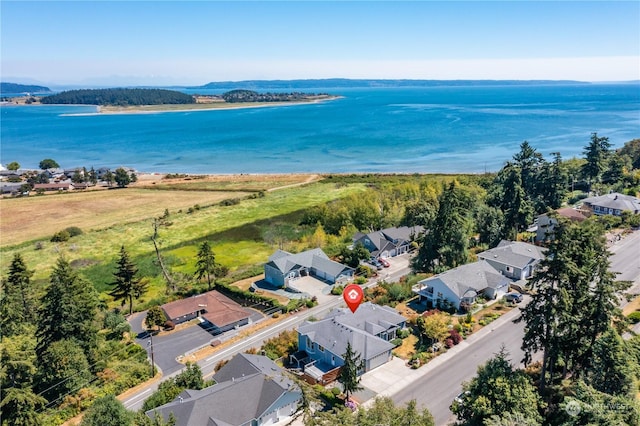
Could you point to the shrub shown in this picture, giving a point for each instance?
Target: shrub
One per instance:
(448, 343)
(634, 317)
(396, 342)
(337, 290)
(455, 336)
(60, 236)
(73, 231)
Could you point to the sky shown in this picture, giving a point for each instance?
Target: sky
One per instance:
(193, 43)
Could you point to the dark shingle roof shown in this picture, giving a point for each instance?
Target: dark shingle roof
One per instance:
(236, 400)
(514, 253)
(615, 201)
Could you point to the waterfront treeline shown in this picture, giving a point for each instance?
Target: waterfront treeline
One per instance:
(119, 97)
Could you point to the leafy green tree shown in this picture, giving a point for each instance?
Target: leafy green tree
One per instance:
(107, 411)
(489, 221)
(617, 167)
(109, 178)
(62, 369)
(434, 327)
(497, 389)
(77, 177)
(190, 377)
(611, 369)
(630, 149)
(127, 285)
(141, 419)
(587, 406)
(92, 176)
(155, 317)
(597, 155)
(16, 302)
(167, 391)
(353, 256)
(21, 407)
(121, 177)
(382, 412)
(349, 372)
(13, 166)
(206, 264)
(447, 242)
(116, 325)
(48, 163)
(67, 310)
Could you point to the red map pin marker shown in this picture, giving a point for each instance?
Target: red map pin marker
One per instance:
(353, 295)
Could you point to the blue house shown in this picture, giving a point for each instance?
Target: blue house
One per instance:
(369, 331)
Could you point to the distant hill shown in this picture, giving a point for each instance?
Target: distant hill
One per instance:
(345, 82)
(22, 88)
(119, 97)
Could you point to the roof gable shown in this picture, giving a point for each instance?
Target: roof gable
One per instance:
(474, 276)
(514, 253)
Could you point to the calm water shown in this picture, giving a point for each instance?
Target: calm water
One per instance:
(439, 129)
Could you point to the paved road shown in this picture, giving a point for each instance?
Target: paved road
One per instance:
(626, 259)
(437, 389)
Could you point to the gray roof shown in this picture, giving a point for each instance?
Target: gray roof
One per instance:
(314, 258)
(359, 328)
(615, 201)
(514, 253)
(390, 238)
(235, 401)
(474, 276)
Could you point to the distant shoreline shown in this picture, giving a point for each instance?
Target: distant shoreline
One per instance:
(156, 109)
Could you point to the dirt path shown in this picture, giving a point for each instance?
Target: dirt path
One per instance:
(311, 178)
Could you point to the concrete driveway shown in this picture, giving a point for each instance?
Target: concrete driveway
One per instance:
(313, 287)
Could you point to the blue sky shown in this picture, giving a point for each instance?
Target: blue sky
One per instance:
(171, 42)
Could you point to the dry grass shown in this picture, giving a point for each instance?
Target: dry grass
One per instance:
(632, 306)
(408, 347)
(242, 182)
(246, 283)
(26, 219)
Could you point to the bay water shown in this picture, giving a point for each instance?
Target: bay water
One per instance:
(446, 129)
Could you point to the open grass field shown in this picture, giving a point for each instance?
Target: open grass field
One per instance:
(236, 232)
(26, 219)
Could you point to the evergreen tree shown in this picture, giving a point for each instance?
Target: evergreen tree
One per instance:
(67, 310)
(515, 205)
(574, 299)
(107, 411)
(20, 407)
(349, 372)
(93, 176)
(611, 368)
(446, 244)
(597, 154)
(206, 264)
(126, 285)
(529, 162)
(16, 304)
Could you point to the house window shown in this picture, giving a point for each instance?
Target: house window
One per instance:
(509, 269)
(440, 295)
(320, 348)
(308, 342)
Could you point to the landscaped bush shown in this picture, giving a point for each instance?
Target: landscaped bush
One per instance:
(60, 237)
(634, 317)
(396, 342)
(73, 231)
(455, 336)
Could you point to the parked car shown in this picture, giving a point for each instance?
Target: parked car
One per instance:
(384, 262)
(513, 297)
(375, 262)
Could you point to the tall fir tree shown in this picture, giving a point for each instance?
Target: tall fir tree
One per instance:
(127, 285)
(447, 242)
(16, 301)
(349, 375)
(67, 310)
(206, 264)
(597, 154)
(574, 300)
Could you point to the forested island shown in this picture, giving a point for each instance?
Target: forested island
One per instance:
(119, 97)
(241, 95)
(22, 88)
